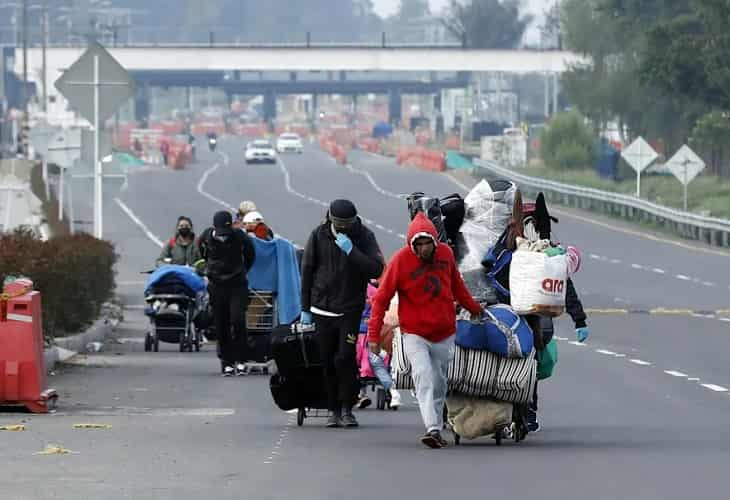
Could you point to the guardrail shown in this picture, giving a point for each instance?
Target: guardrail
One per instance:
(712, 230)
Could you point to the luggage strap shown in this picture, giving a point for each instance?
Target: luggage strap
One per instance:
(514, 350)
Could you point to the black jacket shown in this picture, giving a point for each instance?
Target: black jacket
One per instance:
(227, 260)
(336, 282)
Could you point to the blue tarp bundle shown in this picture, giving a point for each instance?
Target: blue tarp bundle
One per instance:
(177, 275)
(276, 269)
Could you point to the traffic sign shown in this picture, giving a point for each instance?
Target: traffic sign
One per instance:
(685, 165)
(40, 136)
(639, 155)
(96, 85)
(77, 84)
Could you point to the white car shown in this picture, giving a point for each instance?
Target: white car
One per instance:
(260, 151)
(289, 143)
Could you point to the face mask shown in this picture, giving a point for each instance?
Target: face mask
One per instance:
(184, 232)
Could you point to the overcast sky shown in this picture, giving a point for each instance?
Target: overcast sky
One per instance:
(535, 7)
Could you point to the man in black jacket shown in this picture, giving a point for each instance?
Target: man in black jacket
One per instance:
(340, 257)
(229, 254)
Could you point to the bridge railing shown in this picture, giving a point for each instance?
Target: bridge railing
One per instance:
(712, 230)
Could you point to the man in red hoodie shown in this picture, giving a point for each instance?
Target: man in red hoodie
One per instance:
(428, 283)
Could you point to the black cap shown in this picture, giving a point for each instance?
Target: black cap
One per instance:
(223, 222)
(342, 212)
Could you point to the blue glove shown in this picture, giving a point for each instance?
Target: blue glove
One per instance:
(344, 242)
(305, 318)
(582, 334)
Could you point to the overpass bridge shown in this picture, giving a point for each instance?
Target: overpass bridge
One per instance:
(222, 66)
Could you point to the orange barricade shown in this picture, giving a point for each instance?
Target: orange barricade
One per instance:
(22, 365)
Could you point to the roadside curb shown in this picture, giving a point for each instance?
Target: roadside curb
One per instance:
(99, 331)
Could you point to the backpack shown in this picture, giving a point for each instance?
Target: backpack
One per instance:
(431, 207)
(496, 259)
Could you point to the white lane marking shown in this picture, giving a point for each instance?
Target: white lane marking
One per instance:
(204, 179)
(595, 257)
(157, 241)
(561, 338)
(290, 189)
(726, 320)
(708, 283)
(606, 352)
(135, 306)
(576, 343)
(637, 266)
(683, 277)
(620, 355)
(675, 373)
(713, 387)
(615, 261)
(659, 271)
(640, 362)
(401, 235)
(694, 379)
(372, 182)
(458, 182)
(160, 412)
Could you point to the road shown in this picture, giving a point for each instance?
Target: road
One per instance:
(636, 413)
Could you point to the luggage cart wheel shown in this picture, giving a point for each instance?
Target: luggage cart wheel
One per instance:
(156, 344)
(498, 437)
(301, 415)
(147, 342)
(380, 395)
(197, 346)
(457, 439)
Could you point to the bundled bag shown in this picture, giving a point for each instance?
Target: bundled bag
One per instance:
(546, 360)
(537, 283)
(502, 332)
(483, 374)
(475, 417)
(419, 202)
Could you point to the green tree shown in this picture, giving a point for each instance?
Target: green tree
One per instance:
(567, 143)
(487, 24)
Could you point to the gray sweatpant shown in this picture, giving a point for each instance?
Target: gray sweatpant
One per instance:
(429, 369)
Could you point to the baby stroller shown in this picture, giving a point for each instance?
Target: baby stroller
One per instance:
(175, 296)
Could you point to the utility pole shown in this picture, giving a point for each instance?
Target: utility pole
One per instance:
(44, 35)
(24, 94)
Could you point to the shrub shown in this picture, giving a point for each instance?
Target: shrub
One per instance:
(75, 275)
(567, 142)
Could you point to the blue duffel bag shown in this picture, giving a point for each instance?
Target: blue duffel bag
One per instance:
(501, 331)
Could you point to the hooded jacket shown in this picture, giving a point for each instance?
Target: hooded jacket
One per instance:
(427, 291)
(336, 282)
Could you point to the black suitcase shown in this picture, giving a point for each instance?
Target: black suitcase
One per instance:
(453, 209)
(258, 346)
(294, 347)
(303, 388)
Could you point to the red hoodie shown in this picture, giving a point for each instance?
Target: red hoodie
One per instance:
(426, 290)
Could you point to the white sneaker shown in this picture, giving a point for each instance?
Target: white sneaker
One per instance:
(395, 400)
(228, 371)
(241, 369)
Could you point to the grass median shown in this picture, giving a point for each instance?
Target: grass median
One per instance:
(707, 194)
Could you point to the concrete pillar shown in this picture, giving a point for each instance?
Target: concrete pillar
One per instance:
(315, 106)
(555, 92)
(395, 107)
(142, 103)
(547, 95)
(269, 107)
